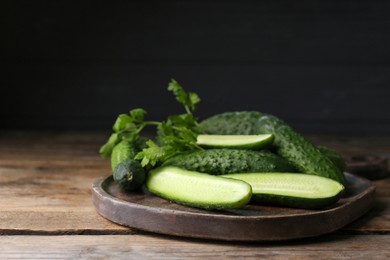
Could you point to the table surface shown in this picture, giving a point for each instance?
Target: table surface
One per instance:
(46, 208)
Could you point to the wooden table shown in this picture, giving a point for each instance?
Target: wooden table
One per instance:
(46, 209)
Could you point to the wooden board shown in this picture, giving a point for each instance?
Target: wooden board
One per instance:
(331, 247)
(145, 211)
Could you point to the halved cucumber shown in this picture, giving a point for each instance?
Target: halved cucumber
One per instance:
(235, 141)
(198, 189)
(291, 189)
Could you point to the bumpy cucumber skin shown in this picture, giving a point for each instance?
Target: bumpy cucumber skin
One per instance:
(244, 123)
(209, 205)
(129, 174)
(122, 151)
(298, 151)
(334, 156)
(225, 161)
(126, 150)
(231, 123)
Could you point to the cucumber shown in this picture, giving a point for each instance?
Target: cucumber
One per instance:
(231, 123)
(126, 150)
(122, 151)
(224, 161)
(129, 174)
(244, 123)
(291, 189)
(196, 189)
(302, 154)
(253, 142)
(334, 156)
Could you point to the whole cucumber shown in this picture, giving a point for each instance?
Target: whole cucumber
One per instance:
(128, 172)
(334, 156)
(225, 161)
(122, 151)
(231, 123)
(302, 154)
(126, 150)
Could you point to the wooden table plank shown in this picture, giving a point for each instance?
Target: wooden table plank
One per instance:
(46, 178)
(37, 204)
(164, 247)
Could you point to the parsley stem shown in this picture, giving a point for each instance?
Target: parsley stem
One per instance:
(142, 126)
(188, 110)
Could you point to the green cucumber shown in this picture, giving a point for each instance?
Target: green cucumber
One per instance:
(244, 123)
(334, 156)
(291, 189)
(225, 161)
(253, 142)
(231, 123)
(126, 150)
(129, 174)
(122, 151)
(302, 154)
(196, 189)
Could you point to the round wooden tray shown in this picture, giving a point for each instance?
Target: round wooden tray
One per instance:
(144, 211)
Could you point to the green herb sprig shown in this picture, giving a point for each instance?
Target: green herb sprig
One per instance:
(175, 135)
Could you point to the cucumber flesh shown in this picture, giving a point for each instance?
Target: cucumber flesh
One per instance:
(197, 189)
(235, 141)
(291, 189)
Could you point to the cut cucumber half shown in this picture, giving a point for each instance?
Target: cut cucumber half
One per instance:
(291, 189)
(198, 189)
(235, 141)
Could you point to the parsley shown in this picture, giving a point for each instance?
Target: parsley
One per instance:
(177, 134)
(189, 100)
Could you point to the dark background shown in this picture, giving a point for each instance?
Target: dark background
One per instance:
(323, 66)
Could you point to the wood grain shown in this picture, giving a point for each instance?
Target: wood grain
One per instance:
(160, 247)
(144, 211)
(46, 179)
(45, 182)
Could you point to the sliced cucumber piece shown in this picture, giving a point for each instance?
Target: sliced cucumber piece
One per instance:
(198, 189)
(235, 141)
(291, 189)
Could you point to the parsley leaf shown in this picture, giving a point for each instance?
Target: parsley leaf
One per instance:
(175, 135)
(153, 154)
(106, 149)
(189, 100)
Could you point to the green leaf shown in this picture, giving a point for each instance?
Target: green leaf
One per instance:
(121, 122)
(106, 149)
(174, 136)
(137, 114)
(151, 155)
(186, 120)
(194, 99)
(187, 135)
(189, 100)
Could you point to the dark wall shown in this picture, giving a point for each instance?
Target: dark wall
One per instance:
(320, 65)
